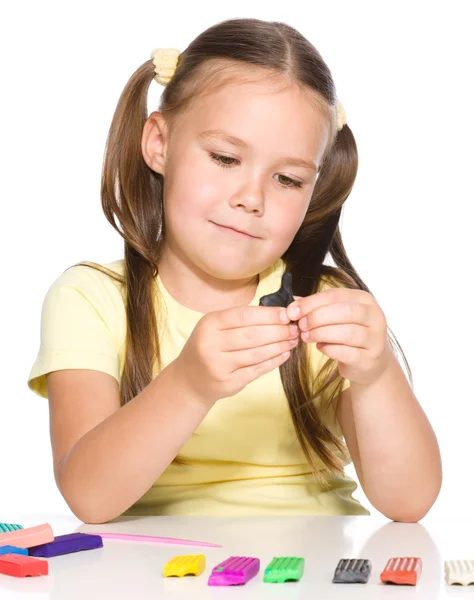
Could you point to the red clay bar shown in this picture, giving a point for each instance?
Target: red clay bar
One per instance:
(405, 570)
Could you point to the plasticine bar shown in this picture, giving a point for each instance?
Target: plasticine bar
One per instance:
(179, 566)
(283, 296)
(284, 568)
(66, 544)
(13, 550)
(26, 538)
(17, 565)
(352, 570)
(405, 571)
(4, 527)
(459, 571)
(236, 570)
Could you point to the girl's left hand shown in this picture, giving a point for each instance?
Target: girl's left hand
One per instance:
(349, 326)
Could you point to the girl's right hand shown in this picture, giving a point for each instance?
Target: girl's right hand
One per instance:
(230, 348)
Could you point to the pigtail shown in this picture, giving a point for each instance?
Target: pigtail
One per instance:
(319, 236)
(131, 195)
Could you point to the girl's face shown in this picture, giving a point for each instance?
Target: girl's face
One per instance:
(235, 162)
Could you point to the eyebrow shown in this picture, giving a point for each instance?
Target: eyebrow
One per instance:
(232, 139)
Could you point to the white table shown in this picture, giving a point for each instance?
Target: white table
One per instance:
(131, 570)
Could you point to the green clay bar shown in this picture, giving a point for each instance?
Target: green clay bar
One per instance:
(284, 568)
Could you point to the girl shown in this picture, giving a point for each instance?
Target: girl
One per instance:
(171, 391)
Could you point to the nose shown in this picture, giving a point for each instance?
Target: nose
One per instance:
(250, 197)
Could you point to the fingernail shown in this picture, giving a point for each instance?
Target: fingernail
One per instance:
(304, 323)
(283, 316)
(293, 329)
(293, 311)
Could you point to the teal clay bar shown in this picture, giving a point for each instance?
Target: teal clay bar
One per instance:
(284, 568)
(7, 527)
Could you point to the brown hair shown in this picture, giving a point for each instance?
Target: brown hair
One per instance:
(132, 194)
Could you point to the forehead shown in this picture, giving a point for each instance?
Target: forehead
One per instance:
(270, 115)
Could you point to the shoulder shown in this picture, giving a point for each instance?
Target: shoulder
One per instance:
(85, 301)
(92, 279)
(89, 295)
(331, 280)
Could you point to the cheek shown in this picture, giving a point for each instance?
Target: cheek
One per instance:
(285, 218)
(195, 189)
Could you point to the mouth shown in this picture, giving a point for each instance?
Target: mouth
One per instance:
(235, 232)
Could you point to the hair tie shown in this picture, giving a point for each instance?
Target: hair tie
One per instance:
(165, 61)
(341, 116)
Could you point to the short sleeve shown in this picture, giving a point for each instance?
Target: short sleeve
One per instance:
(80, 326)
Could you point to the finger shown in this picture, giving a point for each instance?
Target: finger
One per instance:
(338, 313)
(242, 338)
(303, 306)
(243, 316)
(346, 355)
(356, 336)
(254, 356)
(252, 372)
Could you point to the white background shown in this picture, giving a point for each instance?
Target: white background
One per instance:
(403, 71)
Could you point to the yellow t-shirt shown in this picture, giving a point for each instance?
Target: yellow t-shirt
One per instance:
(244, 458)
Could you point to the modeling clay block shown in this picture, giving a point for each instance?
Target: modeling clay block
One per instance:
(284, 568)
(459, 571)
(4, 527)
(66, 544)
(13, 550)
(179, 566)
(22, 566)
(28, 537)
(405, 570)
(236, 570)
(352, 570)
(283, 297)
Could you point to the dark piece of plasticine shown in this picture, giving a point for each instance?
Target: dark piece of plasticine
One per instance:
(355, 570)
(283, 297)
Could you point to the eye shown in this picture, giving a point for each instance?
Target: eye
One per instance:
(293, 182)
(220, 160)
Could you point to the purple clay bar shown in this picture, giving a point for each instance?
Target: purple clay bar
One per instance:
(66, 544)
(236, 570)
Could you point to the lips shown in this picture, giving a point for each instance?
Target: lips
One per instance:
(235, 229)
(231, 228)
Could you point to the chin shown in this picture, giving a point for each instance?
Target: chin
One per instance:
(225, 267)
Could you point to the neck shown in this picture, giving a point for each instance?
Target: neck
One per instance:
(197, 290)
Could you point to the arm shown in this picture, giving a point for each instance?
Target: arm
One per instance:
(392, 444)
(98, 451)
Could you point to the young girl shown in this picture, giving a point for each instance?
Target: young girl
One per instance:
(171, 390)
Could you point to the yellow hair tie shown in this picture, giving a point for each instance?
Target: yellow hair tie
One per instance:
(341, 116)
(165, 61)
